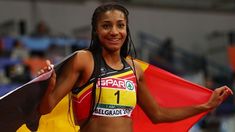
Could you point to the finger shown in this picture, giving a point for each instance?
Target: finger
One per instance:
(39, 73)
(46, 68)
(223, 96)
(48, 62)
(49, 67)
(221, 90)
(226, 93)
(42, 71)
(229, 91)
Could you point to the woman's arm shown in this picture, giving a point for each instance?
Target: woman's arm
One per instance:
(62, 85)
(158, 114)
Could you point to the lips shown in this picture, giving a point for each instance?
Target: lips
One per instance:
(114, 40)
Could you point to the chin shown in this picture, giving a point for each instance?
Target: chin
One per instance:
(113, 49)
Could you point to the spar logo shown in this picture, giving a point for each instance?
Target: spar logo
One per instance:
(116, 83)
(129, 85)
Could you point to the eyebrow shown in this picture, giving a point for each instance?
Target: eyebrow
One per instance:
(106, 21)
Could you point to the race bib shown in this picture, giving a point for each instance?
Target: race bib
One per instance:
(118, 97)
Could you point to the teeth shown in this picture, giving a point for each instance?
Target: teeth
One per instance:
(113, 39)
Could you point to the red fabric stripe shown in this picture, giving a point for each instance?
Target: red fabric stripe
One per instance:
(81, 106)
(170, 91)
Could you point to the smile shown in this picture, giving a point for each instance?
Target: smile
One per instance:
(114, 39)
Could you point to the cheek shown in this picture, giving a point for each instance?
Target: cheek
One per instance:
(124, 34)
(102, 39)
(101, 35)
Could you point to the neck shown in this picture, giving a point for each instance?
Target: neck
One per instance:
(113, 59)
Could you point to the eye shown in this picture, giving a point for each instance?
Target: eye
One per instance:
(121, 25)
(106, 26)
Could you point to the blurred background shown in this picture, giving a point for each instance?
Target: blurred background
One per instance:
(194, 39)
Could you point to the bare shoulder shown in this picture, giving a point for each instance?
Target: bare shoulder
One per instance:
(82, 59)
(83, 53)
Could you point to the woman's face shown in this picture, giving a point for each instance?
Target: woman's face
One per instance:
(111, 30)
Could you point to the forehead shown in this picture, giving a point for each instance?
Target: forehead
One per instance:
(112, 15)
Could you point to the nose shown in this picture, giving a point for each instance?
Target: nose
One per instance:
(114, 31)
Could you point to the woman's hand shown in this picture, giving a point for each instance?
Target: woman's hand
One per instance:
(218, 96)
(46, 69)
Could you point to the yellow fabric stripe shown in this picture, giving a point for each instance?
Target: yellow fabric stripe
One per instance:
(126, 97)
(142, 64)
(56, 121)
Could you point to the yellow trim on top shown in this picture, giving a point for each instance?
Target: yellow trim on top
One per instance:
(122, 74)
(84, 90)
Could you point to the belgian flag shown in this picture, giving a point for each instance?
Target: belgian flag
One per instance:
(168, 90)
